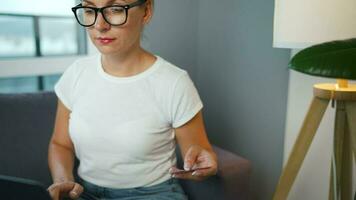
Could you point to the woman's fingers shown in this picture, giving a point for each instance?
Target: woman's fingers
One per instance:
(198, 165)
(65, 189)
(53, 192)
(76, 191)
(191, 157)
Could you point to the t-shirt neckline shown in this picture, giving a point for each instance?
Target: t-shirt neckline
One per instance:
(135, 77)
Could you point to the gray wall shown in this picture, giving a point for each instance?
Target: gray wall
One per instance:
(226, 46)
(172, 33)
(243, 82)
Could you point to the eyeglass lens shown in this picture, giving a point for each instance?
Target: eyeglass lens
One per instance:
(114, 15)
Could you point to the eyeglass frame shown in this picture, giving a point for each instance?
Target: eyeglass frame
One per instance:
(97, 10)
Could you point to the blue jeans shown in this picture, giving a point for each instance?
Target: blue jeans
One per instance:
(168, 190)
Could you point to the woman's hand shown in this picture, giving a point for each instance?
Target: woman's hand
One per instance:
(195, 159)
(65, 189)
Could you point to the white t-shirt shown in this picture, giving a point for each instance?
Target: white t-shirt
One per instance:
(122, 127)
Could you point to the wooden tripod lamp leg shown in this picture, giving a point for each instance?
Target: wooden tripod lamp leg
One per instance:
(306, 134)
(351, 118)
(346, 172)
(342, 155)
(331, 184)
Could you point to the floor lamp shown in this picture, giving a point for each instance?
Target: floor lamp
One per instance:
(302, 24)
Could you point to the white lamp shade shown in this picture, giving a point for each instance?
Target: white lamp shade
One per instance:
(302, 23)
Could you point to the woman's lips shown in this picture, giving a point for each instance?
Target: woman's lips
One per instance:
(104, 40)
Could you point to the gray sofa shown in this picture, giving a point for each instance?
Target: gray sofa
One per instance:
(26, 124)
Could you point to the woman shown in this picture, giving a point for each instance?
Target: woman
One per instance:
(122, 113)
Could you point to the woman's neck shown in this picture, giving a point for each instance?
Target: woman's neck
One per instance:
(128, 63)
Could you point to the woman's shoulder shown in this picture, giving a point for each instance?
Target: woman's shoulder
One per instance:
(88, 60)
(78, 66)
(82, 63)
(170, 70)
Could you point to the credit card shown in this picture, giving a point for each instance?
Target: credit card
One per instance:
(182, 171)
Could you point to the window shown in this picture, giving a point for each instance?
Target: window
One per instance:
(50, 81)
(39, 35)
(18, 85)
(58, 42)
(18, 39)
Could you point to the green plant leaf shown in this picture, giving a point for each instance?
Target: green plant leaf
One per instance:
(335, 59)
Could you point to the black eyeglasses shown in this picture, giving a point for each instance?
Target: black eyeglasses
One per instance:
(114, 15)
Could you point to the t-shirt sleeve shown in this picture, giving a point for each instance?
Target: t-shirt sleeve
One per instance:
(65, 85)
(186, 102)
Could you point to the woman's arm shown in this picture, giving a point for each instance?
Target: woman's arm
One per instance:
(61, 151)
(196, 149)
(61, 157)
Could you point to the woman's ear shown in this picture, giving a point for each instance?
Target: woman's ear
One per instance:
(148, 12)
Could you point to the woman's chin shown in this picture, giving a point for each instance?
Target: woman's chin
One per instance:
(107, 50)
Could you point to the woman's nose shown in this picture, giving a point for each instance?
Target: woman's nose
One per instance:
(100, 23)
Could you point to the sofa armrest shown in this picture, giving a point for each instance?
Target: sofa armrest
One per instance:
(234, 171)
(230, 182)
